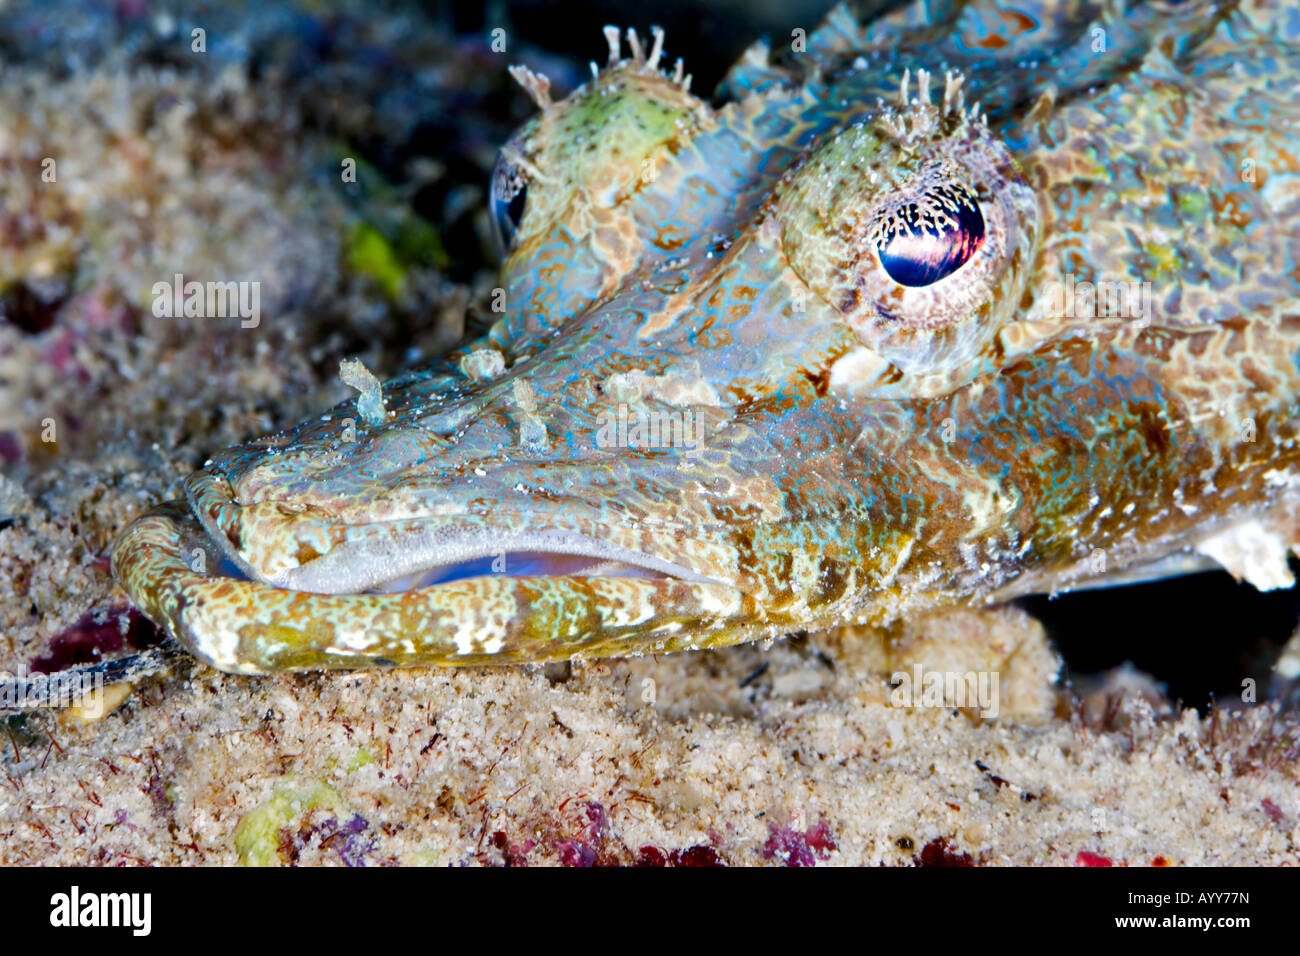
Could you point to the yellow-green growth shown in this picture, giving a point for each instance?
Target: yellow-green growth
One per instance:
(362, 758)
(369, 253)
(257, 835)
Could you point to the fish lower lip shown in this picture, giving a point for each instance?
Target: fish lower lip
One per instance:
(172, 569)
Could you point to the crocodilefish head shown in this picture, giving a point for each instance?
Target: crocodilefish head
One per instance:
(788, 362)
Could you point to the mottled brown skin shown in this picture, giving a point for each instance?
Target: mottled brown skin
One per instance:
(868, 448)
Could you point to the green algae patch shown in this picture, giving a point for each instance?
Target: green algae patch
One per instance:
(369, 253)
(419, 243)
(425, 855)
(386, 255)
(362, 758)
(387, 238)
(257, 835)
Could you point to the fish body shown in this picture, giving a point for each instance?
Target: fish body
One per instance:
(963, 302)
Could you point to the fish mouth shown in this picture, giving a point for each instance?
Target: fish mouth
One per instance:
(435, 556)
(312, 551)
(252, 627)
(586, 558)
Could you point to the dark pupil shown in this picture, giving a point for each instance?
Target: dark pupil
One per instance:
(918, 251)
(509, 196)
(511, 212)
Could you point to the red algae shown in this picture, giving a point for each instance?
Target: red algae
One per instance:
(95, 634)
(939, 852)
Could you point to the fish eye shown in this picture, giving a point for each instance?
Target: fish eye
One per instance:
(920, 243)
(917, 228)
(509, 199)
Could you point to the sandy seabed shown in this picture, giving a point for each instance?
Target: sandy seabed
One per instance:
(787, 754)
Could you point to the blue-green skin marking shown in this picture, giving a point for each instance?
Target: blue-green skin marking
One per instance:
(833, 485)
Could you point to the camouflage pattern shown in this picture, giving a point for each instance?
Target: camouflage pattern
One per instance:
(962, 302)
